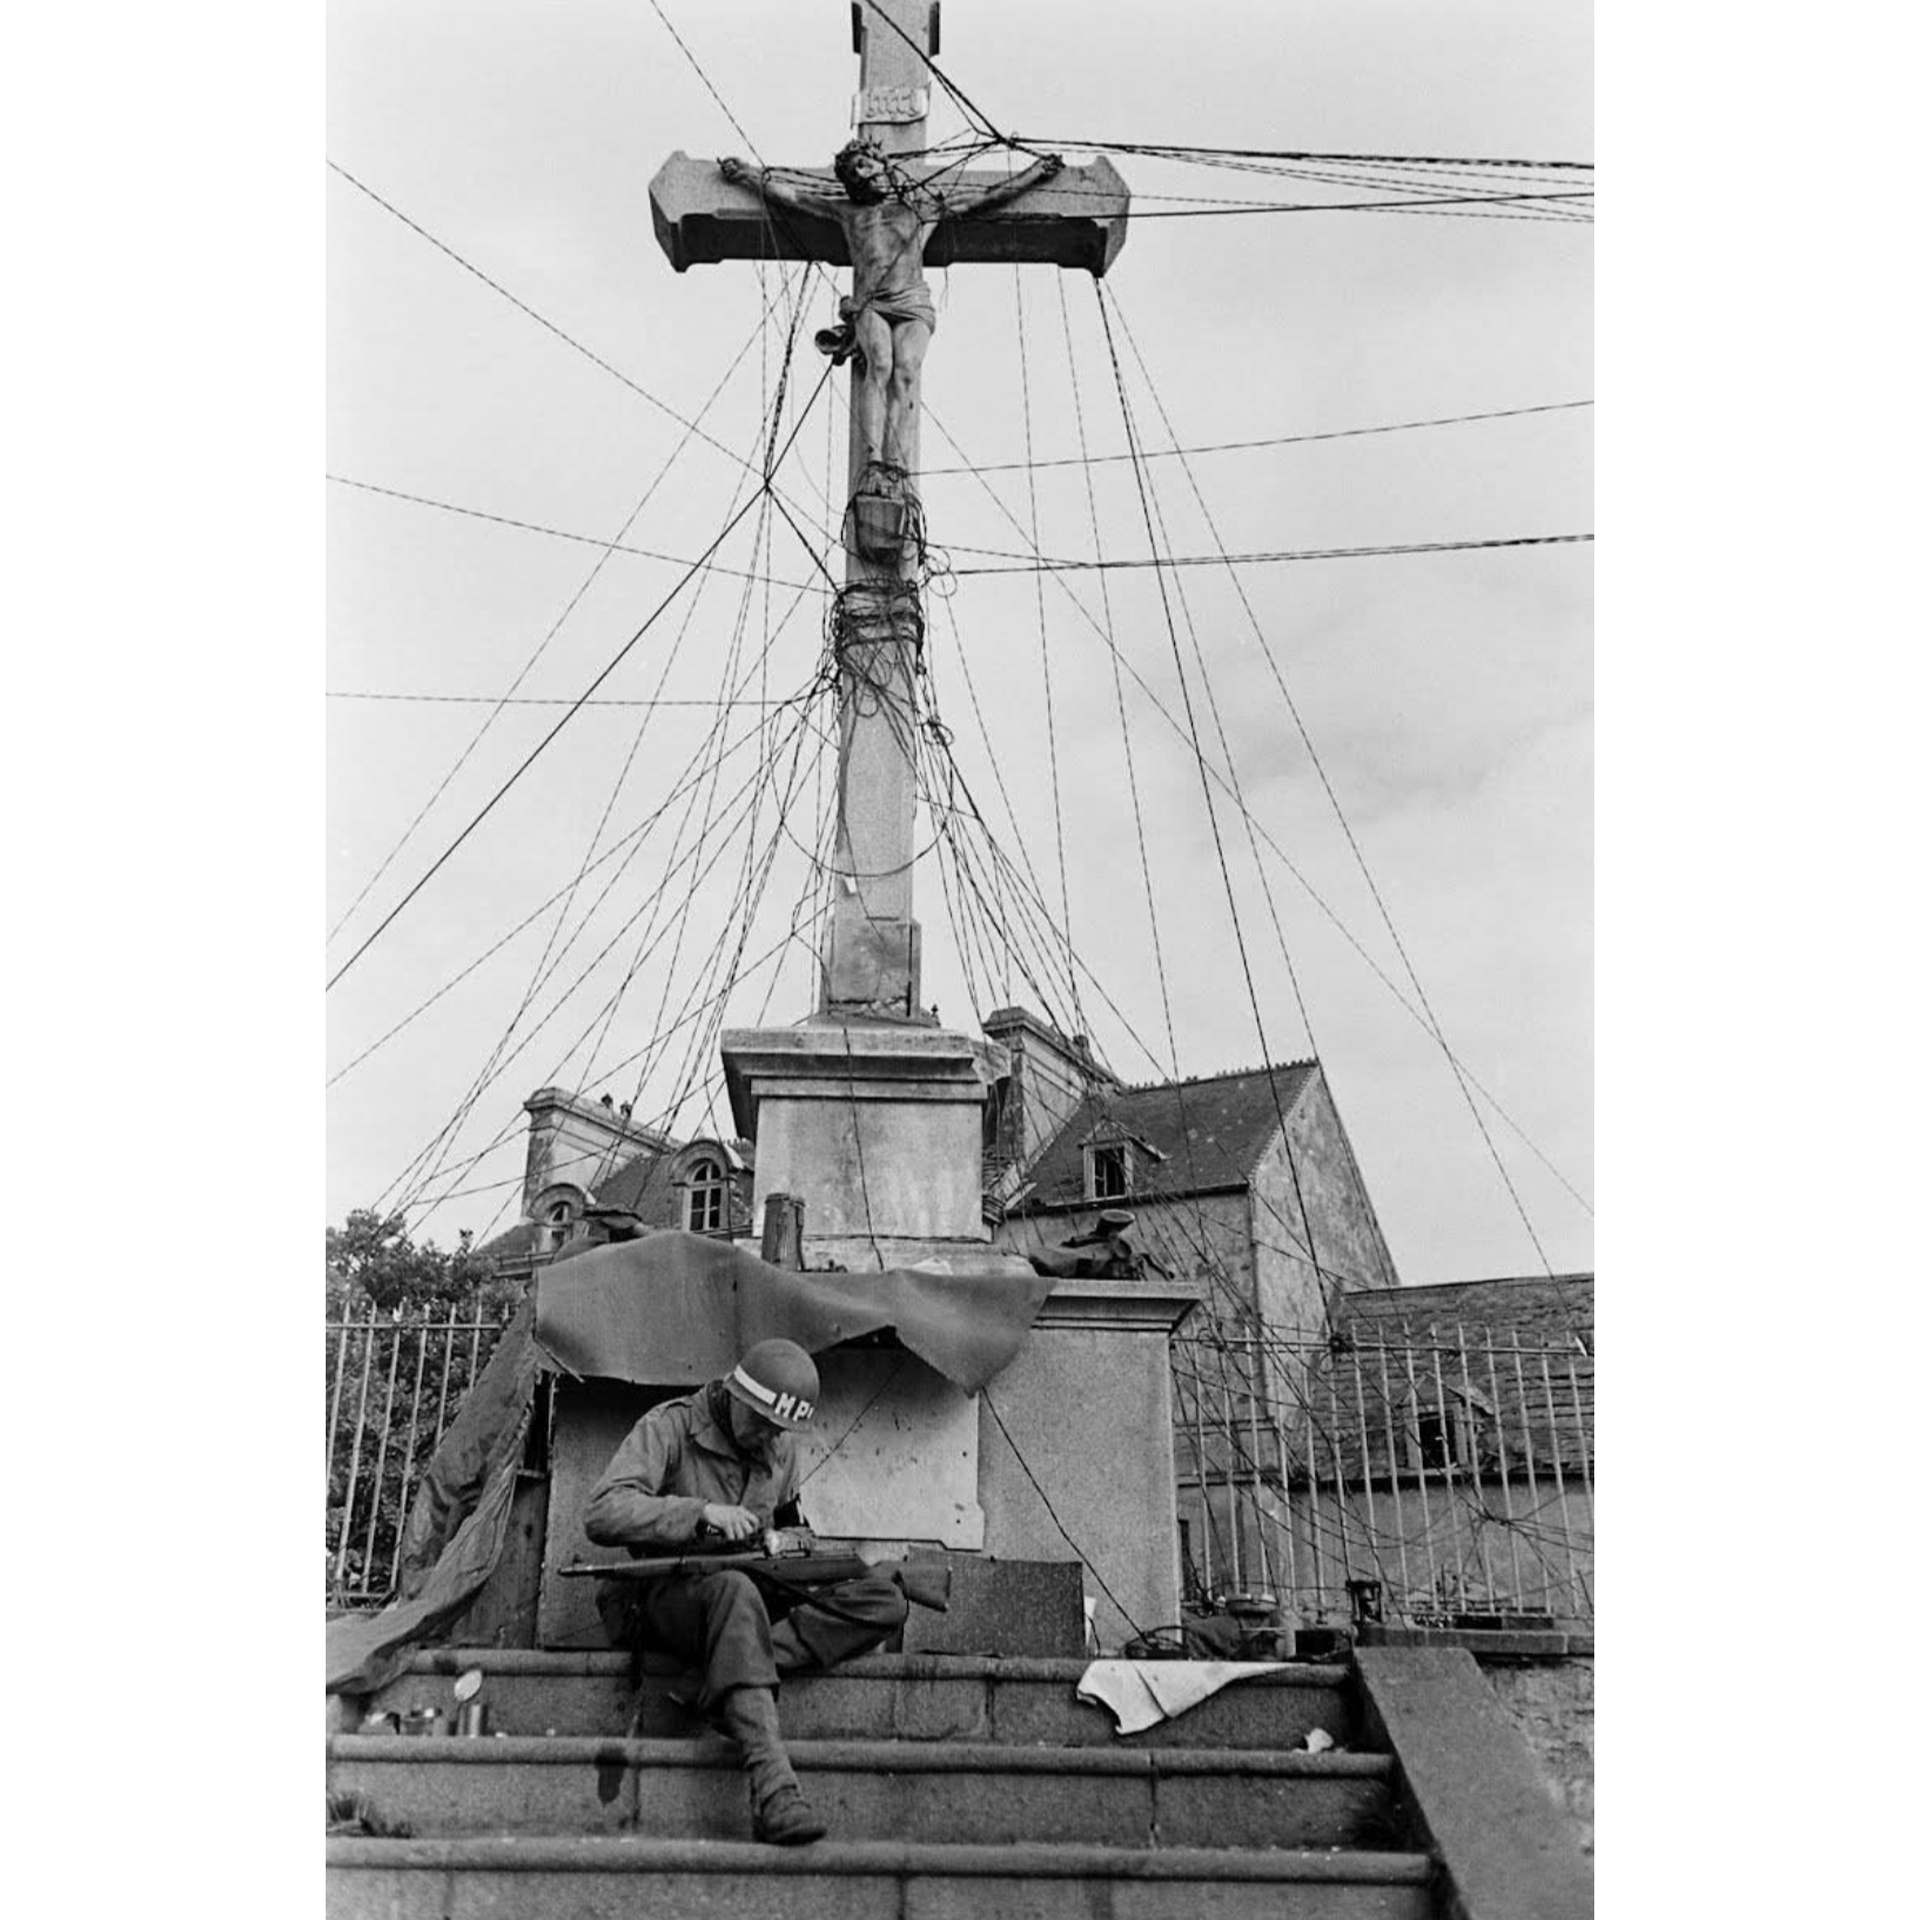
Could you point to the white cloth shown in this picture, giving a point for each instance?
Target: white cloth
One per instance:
(1141, 1693)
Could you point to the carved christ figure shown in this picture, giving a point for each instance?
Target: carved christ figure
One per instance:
(888, 217)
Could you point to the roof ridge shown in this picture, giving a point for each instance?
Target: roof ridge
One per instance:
(1485, 1280)
(1226, 1073)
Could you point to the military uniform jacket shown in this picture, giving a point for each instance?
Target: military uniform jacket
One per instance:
(677, 1459)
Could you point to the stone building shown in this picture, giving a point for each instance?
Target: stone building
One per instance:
(1275, 1221)
(1245, 1181)
(593, 1172)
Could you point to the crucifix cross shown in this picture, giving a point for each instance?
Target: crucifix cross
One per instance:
(889, 217)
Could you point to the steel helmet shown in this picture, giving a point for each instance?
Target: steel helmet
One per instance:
(778, 1380)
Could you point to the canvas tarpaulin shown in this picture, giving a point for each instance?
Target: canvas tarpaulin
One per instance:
(672, 1309)
(457, 1524)
(677, 1309)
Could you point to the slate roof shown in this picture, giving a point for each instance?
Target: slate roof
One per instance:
(1212, 1132)
(1535, 1306)
(511, 1247)
(655, 1201)
(1398, 1346)
(643, 1187)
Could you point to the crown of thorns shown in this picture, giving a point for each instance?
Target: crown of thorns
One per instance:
(843, 160)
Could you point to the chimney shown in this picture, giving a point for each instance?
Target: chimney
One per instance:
(579, 1142)
(1051, 1076)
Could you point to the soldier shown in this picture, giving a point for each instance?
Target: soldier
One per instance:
(720, 1465)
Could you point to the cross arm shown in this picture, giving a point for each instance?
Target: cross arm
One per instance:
(983, 199)
(699, 217)
(1076, 219)
(783, 193)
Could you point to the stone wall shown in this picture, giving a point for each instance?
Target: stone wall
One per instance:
(578, 1142)
(1347, 1240)
(1551, 1702)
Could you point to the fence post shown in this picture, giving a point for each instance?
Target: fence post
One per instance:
(1506, 1487)
(1420, 1458)
(1559, 1475)
(1478, 1498)
(380, 1459)
(446, 1377)
(1313, 1487)
(1233, 1480)
(1538, 1542)
(1256, 1357)
(1366, 1462)
(339, 1375)
(413, 1441)
(1197, 1438)
(353, 1470)
(1393, 1470)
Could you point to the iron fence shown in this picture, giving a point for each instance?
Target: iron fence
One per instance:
(1431, 1477)
(395, 1379)
(1435, 1478)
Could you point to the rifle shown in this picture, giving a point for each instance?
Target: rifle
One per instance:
(802, 1566)
(811, 1567)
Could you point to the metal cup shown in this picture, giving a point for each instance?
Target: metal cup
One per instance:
(473, 1720)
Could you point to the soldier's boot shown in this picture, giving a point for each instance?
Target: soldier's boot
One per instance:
(780, 1815)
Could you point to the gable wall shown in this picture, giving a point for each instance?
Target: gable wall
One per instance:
(1346, 1237)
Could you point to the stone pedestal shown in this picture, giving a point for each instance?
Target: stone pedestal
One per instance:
(876, 1126)
(1068, 1453)
(1084, 1414)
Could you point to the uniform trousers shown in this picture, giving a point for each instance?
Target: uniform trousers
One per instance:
(737, 1635)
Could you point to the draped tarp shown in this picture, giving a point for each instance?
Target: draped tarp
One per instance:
(667, 1310)
(678, 1308)
(458, 1522)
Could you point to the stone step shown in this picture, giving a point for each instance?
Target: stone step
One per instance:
(615, 1879)
(879, 1697)
(962, 1792)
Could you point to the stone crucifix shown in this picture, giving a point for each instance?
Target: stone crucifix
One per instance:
(892, 215)
(887, 323)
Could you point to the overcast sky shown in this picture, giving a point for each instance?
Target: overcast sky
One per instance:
(1447, 696)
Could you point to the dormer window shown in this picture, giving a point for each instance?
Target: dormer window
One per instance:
(559, 1224)
(1448, 1434)
(704, 1207)
(1109, 1171)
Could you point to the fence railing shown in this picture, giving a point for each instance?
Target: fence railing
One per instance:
(1438, 1479)
(1433, 1478)
(395, 1380)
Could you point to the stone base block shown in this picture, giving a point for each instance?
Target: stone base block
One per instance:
(1005, 1607)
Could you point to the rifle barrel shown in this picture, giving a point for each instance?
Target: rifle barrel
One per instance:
(799, 1569)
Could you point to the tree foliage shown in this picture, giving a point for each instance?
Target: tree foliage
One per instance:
(410, 1328)
(373, 1258)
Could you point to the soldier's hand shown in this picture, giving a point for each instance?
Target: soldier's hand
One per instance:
(1052, 163)
(730, 1523)
(733, 169)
